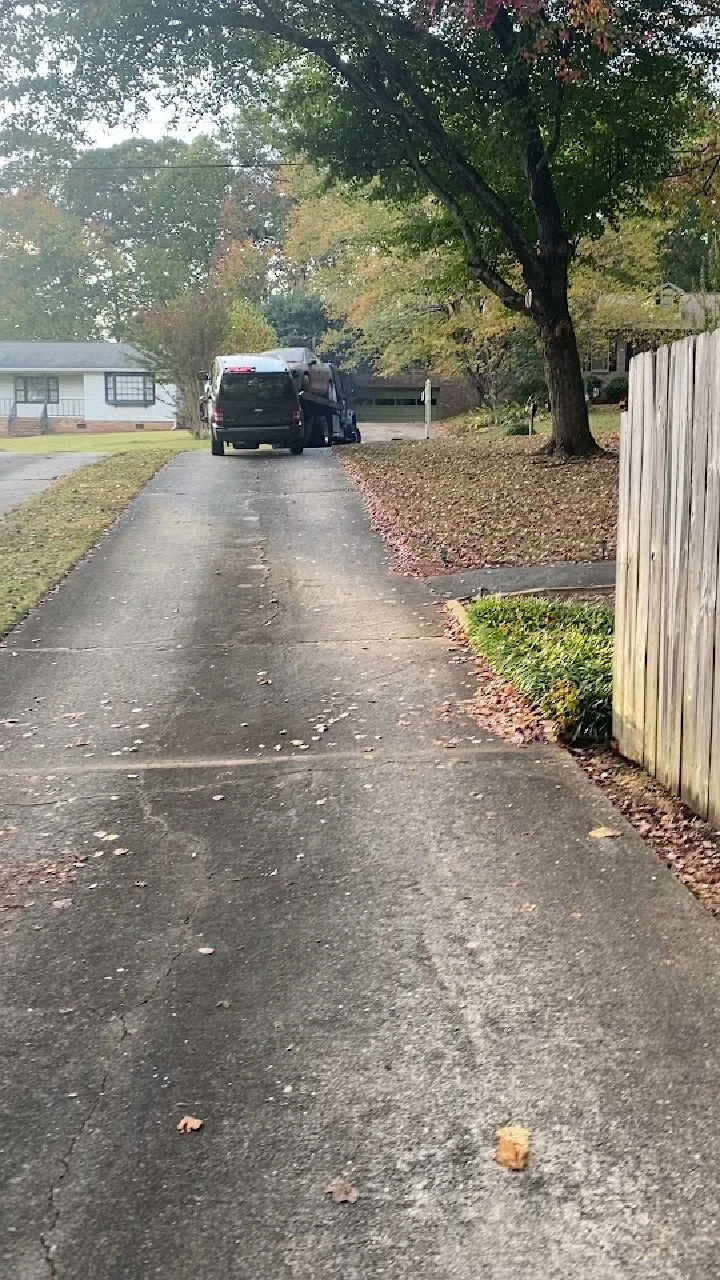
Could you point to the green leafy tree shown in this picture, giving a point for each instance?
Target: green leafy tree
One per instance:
(296, 317)
(57, 277)
(528, 125)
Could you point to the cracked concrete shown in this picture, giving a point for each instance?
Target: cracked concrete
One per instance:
(412, 942)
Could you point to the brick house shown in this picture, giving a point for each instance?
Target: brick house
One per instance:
(68, 387)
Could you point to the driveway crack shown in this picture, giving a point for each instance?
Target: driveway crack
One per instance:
(125, 1031)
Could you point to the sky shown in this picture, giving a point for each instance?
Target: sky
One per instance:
(159, 123)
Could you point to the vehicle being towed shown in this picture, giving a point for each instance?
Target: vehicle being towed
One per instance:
(309, 373)
(252, 400)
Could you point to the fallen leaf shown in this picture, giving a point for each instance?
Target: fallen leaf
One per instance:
(100, 835)
(527, 907)
(110, 835)
(189, 1124)
(206, 951)
(223, 1004)
(513, 1147)
(576, 915)
(62, 904)
(342, 1191)
(218, 797)
(120, 853)
(604, 833)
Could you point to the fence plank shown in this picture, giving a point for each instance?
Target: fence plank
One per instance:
(621, 577)
(631, 726)
(695, 721)
(710, 687)
(657, 557)
(644, 523)
(672, 645)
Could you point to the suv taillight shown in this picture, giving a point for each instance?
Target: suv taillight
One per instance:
(217, 417)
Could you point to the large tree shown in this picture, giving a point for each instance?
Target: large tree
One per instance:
(58, 278)
(529, 123)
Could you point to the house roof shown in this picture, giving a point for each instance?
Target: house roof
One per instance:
(68, 357)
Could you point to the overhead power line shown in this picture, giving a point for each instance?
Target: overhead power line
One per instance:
(160, 168)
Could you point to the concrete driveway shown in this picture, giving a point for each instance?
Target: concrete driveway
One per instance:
(22, 475)
(383, 432)
(258, 869)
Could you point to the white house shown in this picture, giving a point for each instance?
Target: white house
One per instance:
(62, 387)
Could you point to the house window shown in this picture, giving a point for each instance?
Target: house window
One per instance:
(40, 390)
(596, 360)
(129, 388)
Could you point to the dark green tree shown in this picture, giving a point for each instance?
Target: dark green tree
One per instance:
(296, 317)
(529, 125)
(56, 276)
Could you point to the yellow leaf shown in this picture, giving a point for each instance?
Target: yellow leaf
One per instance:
(513, 1147)
(342, 1191)
(189, 1124)
(604, 833)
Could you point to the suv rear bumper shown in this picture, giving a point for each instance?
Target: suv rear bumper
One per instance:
(252, 436)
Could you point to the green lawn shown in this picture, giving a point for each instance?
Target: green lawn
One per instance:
(42, 539)
(104, 442)
(602, 423)
(558, 655)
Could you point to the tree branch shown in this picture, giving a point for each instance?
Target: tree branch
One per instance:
(554, 142)
(477, 266)
(422, 119)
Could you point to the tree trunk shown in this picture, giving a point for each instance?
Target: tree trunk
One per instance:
(571, 435)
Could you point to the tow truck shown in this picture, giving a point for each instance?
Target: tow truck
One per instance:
(249, 400)
(332, 420)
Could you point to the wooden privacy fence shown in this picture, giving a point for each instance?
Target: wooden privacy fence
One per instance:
(666, 698)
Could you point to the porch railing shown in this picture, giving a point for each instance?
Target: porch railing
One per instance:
(42, 414)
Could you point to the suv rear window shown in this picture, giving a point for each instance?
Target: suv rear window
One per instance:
(254, 388)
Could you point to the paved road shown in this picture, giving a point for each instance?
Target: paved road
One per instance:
(412, 944)
(22, 475)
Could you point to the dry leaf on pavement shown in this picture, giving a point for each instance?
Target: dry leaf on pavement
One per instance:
(604, 833)
(513, 1147)
(206, 951)
(528, 907)
(62, 904)
(189, 1124)
(342, 1191)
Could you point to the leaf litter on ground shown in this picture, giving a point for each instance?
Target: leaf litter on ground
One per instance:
(448, 504)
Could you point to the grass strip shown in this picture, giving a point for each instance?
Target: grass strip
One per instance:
(42, 539)
(558, 655)
(103, 442)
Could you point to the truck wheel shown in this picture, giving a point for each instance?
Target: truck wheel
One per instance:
(217, 447)
(317, 434)
(297, 449)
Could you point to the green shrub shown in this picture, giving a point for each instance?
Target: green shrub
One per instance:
(558, 655)
(616, 390)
